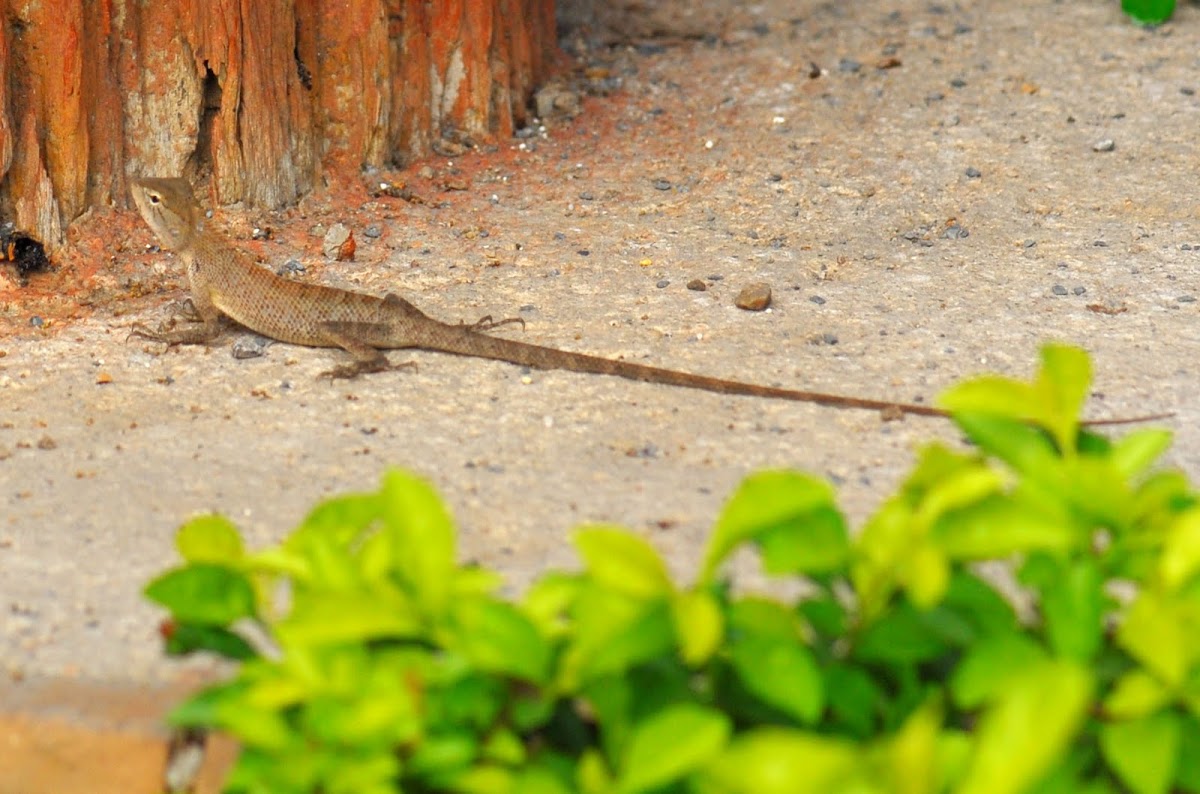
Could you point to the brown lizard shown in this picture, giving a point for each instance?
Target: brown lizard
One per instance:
(224, 281)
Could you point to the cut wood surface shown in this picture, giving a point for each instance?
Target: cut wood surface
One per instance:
(265, 96)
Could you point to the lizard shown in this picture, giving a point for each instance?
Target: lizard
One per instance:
(226, 282)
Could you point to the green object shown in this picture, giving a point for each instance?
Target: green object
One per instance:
(365, 659)
(1149, 12)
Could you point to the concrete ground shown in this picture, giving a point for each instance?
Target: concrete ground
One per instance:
(931, 190)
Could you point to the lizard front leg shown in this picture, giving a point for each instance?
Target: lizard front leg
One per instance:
(349, 337)
(203, 324)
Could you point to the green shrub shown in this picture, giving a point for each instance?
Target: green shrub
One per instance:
(384, 666)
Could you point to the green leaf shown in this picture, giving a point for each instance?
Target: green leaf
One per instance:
(1154, 633)
(335, 617)
(1073, 606)
(613, 633)
(902, 636)
(498, 638)
(1143, 752)
(781, 761)
(1024, 447)
(1181, 554)
(210, 538)
(926, 575)
(990, 665)
(228, 707)
(782, 674)
(1136, 694)
(699, 625)
(988, 394)
(1021, 736)
(1063, 382)
(855, 698)
(1133, 454)
(204, 593)
(912, 754)
(770, 500)
(998, 527)
(423, 537)
(185, 638)
(1188, 774)
(623, 562)
(819, 545)
(671, 744)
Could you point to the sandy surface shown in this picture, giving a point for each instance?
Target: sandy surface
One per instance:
(823, 149)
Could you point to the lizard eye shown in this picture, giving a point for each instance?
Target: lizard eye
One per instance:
(154, 199)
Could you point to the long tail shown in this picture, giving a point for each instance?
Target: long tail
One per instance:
(464, 341)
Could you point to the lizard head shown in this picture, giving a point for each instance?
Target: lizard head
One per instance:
(168, 208)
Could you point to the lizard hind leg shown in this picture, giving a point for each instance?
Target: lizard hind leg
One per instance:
(367, 358)
(486, 323)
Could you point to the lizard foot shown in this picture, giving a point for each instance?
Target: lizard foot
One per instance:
(352, 371)
(486, 323)
(143, 331)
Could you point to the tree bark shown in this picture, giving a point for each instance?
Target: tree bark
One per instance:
(263, 96)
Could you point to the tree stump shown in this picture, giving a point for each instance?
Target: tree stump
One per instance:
(264, 96)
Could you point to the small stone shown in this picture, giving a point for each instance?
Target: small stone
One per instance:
(715, 277)
(849, 65)
(1029, 243)
(955, 232)
(103, 377)
(1106, 145)
(1186, 299)
(817, 299)
(291, 267)
(697, 285)
(754, 297)
(1100, 244)
(775, 177)
(374, 231)
(1059, 289)
(249, 346)
(972, 172)
(662, 283)
(36, 322)
(339, 243)
(661, 184)
(46, 442)
(587, 196)
(958, 82)
(1078, 290)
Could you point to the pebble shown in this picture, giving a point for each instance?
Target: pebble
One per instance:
(775, 177)
(955, 232)
(661, 184)
(290, 268)
(1029, 242)
(587, 196)
(1079, 290)
(249, 346)
(817, 299)
(754, 297)
(715, 277)
(1106, 145)
(849, 65)
(662, 283)
(1059, 289)
(1186, 299)
(958, 82)
(339, 243)
(697, 285)
(374, 231)
(973, 173)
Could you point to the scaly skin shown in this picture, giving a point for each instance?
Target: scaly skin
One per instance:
(224, 281)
